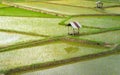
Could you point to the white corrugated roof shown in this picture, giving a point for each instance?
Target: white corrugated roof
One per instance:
(75, 24)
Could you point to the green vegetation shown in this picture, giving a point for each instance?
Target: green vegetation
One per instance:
(67, 10)
(98, 21)
(108, 37)
(23, 13)
(2, 5)
(46, 53)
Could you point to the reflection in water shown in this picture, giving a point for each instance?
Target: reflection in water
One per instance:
(109, 65)
(71, 49)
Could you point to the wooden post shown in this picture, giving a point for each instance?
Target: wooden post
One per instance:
(68, 29)
(73, 31)
(78, 30)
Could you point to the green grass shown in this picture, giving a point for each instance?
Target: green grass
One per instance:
(12, 11)
(67, 10)
(42, 26)
(2, 5)
(84, 3)
(108, 37)
(7, 39)
(98, 21)
(46, 53)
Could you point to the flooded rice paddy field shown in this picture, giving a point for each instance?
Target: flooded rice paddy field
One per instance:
(83, 3)
(114, 39)
(97, 21)
(58, 8)
(40, 26)
(7, 39)
(51, 52)
(101, 66)
(32, 29)
(114, 10)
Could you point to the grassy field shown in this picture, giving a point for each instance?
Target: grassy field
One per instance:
(54, 51)
(7, 39)
(98, 21)
(108, 37)
(68, 10)
(23, 13)
(83, 3)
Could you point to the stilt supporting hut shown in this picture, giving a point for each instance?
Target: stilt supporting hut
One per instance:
(74, 27)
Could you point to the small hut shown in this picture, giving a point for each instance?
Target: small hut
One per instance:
(75, 26)
(99, 4)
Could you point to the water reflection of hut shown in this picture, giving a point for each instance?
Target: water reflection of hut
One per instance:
(75, 26)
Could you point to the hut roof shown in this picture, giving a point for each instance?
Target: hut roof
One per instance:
(75, 24)
(99, 2)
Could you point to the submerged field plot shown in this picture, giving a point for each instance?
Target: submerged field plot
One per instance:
(81, 3)
(51, 52)
(61, 9)
(38, 26)
(98, 21)
(109, 37)
(7, 39)
(114, 10)
(107, 66)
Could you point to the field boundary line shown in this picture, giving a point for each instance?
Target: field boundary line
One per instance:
(28, 44)
(44, 42)
(67, 5)
(23, 33)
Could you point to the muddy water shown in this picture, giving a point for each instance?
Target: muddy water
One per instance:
(109, 65)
